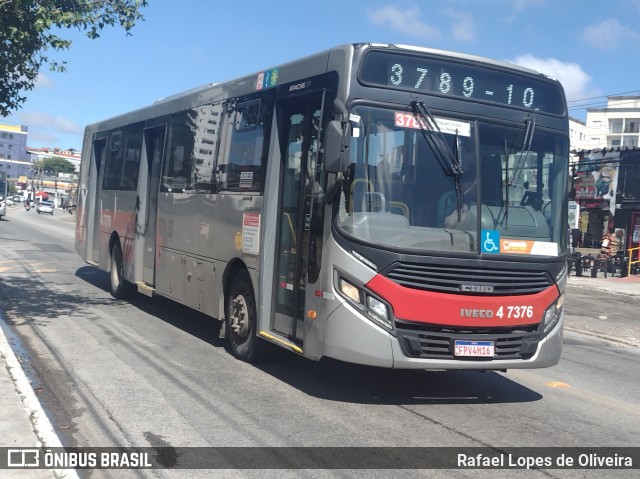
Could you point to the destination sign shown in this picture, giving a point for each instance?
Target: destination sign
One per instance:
(470, 81)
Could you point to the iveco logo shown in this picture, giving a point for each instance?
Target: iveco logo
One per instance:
(476, 288)
(476, 313)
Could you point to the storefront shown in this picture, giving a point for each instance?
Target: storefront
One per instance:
(606, 187)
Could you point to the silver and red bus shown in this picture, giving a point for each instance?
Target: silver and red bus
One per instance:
(380, 204)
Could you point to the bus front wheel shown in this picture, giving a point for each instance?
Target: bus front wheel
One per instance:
(119, 287)
(241, 318)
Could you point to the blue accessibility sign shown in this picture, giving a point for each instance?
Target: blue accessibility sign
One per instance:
(490, 241)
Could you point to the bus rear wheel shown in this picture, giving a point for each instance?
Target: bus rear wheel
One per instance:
(242, 321)
(119, 287)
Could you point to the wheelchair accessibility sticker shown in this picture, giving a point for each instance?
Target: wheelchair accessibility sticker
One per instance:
(490, 241)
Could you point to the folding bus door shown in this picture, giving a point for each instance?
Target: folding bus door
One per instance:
(154, 145)
(301, 122)
(93, 204)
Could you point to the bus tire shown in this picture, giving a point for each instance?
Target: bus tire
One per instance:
(242, 321)
(118, 286)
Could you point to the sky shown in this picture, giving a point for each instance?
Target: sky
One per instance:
(591, 46)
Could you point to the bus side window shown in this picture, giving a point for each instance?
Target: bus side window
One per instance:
(123, 158)
(207, 136)
(113, 166)
(242, 159)
(178, 170)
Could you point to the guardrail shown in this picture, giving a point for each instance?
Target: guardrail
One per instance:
(631, 261)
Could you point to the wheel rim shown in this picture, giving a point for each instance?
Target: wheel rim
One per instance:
(239, 321)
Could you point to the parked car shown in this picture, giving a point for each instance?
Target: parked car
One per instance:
(17, 199)
(45, 207)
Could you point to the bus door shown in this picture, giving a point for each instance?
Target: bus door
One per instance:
(154, 145)
(302, 119)
(93, 203)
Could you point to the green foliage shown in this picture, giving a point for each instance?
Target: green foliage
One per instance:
(26, 37)
(59, 165)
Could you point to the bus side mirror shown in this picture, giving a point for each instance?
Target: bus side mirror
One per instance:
(334, 146)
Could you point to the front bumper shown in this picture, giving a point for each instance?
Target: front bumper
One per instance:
(351, 337)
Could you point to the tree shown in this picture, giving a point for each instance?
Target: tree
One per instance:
(26, 36)
(59, 165)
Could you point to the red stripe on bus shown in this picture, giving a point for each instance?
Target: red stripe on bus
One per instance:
(460, 310)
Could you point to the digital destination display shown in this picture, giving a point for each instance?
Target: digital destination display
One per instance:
(451, 78)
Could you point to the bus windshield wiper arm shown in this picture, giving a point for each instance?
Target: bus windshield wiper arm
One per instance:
(448, 158)
(512, 180)
(530, 127)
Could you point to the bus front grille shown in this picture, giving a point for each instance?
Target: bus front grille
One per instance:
(464, 280)
(431, 342)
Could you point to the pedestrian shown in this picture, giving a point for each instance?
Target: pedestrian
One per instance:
(576, 238)
(609, 244)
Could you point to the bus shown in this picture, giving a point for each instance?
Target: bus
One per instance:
(3, 194)
(386, 205)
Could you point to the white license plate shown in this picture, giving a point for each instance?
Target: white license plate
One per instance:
(476, 349)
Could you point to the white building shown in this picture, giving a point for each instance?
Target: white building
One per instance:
(616, 125)
(578, 134)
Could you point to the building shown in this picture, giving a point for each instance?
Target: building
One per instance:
(616, 125)
(578, 137)
(14, 160)
(605, 166)
(37, 154)
(606, 190)
(58, 186)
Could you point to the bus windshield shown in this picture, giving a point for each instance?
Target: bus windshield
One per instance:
(401, 193)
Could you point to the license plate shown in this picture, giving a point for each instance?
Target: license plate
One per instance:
(476, 349)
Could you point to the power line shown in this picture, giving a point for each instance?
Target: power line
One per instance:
(605, 96)
(604, 104)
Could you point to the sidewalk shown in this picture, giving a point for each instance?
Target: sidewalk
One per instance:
(613, 284)
(622, 328)
(24, 423)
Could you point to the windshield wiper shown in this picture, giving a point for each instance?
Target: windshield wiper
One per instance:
(530, 127)
(448, 158)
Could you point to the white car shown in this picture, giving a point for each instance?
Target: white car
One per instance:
(45, 207)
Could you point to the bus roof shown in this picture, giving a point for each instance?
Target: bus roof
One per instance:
(291, 71)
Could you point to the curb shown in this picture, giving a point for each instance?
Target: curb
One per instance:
(42, 427)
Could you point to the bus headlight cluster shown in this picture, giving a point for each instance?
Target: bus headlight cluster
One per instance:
(375, 309)
(561, 279)
(552, 315)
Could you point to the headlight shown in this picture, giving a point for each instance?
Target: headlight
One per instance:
(552, 315)
(375, 308)
(379, 312)
(561, 279)
(349, 290)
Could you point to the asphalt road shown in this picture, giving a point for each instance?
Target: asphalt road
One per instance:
(149, 372)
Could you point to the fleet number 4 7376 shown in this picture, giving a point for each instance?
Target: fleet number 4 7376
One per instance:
(515, 312)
